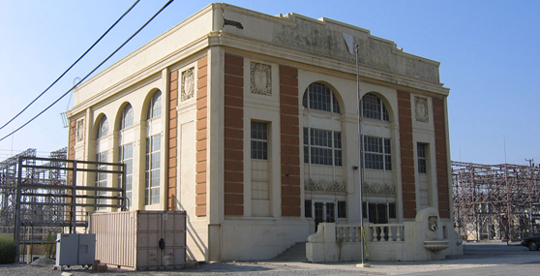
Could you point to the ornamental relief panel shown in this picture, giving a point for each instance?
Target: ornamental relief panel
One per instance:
(188, 84)
(421, 109)
(324, 186)
(261, 79)
(79, 132)
(378, 189)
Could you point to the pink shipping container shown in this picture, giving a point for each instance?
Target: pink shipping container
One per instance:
(140, 240)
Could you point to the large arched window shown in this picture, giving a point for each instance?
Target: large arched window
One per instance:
(101, 156)
(125, 150)
(322, 146)
(153, 152)
(320, 97)
(377, 149)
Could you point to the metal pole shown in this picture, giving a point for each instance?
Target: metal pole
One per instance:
(16, 226)
(362, 241)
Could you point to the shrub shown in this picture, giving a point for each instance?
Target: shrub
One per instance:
(50, 245)
(8, 249)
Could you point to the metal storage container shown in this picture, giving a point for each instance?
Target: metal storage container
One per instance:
(140, 240)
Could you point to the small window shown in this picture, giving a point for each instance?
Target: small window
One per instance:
(342, 209)
(307, 209)
(422, 160)
(259, 140)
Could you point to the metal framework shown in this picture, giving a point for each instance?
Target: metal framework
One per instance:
(495, 201)
(40, 196)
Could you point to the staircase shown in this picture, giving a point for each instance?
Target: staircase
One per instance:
(295, 253)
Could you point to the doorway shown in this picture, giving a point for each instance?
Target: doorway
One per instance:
(324, 212)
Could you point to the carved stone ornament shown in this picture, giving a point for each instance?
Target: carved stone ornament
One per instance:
(324, 186)
(378, 189)
(80, 130)
(421, 109)
(261, 79)
(188, 84)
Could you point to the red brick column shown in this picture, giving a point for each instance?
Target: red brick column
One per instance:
(290, 142)
(234, 135)
(441, 157)
(173, 130)
(408, 183)
(201, 145)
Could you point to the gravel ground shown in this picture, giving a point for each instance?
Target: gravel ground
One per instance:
(236, 268)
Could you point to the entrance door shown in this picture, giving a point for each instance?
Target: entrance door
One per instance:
(324, 212)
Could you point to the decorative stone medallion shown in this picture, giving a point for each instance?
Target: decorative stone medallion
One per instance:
(261, 79)
(188, 84)
(421, 109)
(80, 130)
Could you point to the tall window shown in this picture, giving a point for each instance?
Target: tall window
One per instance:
(374, 108)
(259, 140)
(101, 156)
(153, 153)
(153, 165)
(379, 212)
(377, 153)
(322, 147)
(320, 97)
(422, 160)
(125, 153)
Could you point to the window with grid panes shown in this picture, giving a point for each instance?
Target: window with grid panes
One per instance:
(374, 108)
(377, 153)
(320, 97)
(153, 165)
(422, 161)
(259, 140)
(322, 147)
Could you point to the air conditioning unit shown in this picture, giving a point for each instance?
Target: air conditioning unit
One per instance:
(75, 249)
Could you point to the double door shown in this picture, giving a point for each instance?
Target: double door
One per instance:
(324, 212)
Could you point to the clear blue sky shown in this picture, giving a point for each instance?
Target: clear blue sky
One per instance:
(488, 52)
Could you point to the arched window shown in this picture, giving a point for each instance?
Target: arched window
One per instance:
(155, 106)
(103, 128)
(125, 151)
(320, 97)
(322, 146)
(376, 149)
(374, 108)
(153, 152)
(101, 156)
(127, 117)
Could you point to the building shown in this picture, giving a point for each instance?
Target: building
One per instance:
(249, 123)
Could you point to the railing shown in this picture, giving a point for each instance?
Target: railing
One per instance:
(348, 233)
(379, 233)
(393, 232)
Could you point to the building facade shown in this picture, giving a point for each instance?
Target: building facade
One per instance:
(249, 123)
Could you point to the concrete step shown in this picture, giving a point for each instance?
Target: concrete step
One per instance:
(295, 253)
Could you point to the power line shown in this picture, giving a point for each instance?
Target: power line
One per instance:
(91, 72)
(74, 63)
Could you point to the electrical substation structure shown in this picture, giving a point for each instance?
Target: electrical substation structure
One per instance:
(496, 201)
(40, 196)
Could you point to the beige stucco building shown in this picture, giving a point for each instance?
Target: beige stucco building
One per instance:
(249, 123)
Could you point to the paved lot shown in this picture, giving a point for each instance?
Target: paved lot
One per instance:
(493, 258)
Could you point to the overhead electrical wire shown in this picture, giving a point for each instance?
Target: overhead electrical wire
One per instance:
(74, 63)
(93, 70)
